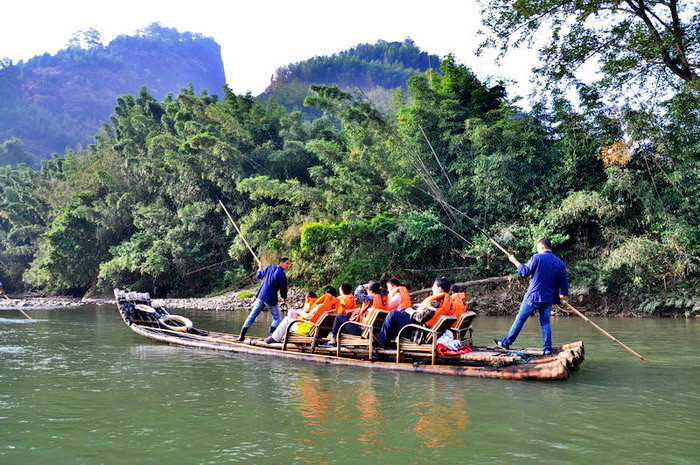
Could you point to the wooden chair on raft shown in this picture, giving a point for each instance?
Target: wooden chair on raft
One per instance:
(428, 338)
(318, 331)
(366, 339)
(463, 327)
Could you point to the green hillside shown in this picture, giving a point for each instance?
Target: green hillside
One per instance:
(53, 102)
(377, 69)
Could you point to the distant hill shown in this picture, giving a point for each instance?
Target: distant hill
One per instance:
(376, 68)
(53, 102)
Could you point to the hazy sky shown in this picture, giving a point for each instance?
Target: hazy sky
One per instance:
(258, 36)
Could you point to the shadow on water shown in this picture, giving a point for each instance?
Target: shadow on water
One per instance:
(80, 388)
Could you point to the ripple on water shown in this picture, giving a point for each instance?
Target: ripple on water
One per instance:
(19, 321)
(12, 349)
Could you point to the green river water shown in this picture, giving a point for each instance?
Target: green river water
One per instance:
(78, 387)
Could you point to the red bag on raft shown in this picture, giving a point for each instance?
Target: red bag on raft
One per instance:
(443, 350)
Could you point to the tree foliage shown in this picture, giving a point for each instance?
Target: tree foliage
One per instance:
(358, 194)
(643, 42)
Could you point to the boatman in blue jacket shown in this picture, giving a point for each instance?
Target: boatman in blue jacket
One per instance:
(548, 284)
(273, 281)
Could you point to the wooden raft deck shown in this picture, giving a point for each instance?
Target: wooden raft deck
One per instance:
(484, 362)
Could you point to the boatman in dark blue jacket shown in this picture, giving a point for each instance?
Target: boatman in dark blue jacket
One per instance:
(273, 281)
(548, 284)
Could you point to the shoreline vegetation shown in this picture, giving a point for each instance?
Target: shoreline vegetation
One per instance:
(493, 299)
(369, 191)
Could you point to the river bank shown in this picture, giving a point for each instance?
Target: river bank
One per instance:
(30, 302)
(500, 297)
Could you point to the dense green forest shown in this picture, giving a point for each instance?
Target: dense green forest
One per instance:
(364, 192)
(375, 69)
(53, 102)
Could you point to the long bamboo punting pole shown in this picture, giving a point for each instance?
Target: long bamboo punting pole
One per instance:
(20, 310)
(239, 232)
(610, 336)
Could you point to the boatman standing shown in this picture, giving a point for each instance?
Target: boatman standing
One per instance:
(548, 284)
(274, 280)
(2, 291)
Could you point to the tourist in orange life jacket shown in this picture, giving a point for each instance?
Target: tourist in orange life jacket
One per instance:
(399, 298)
(347, 300)
(458, 300)
(372, 298)
(427, 313)
(309, 302)
(328, 302)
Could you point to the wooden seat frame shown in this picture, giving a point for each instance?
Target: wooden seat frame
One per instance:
(319, 330)
(366, 338)
(430, 345)
(463, 326)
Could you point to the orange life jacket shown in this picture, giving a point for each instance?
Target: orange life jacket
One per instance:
(310, 301)
(443, 309)
(324, 304)
(347, 302)
(378, 303)
(294, 313)
(405, 298)
(459, 304)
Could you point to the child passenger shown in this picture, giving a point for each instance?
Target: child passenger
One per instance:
(347, 300)
(311, 299)
(328, 302)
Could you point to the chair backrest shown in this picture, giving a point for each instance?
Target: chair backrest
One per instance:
(324, 325)
(465, 320)
(376, 321)
(443, 324)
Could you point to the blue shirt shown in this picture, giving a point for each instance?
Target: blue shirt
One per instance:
(361, 295)
(548, 278)
(274, 280)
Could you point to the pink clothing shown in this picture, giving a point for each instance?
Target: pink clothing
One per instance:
(395, 303)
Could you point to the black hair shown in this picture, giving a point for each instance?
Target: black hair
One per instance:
(331, 290)
(443, 283)
(454, 288)
(346, 288)
(546, 242)
(284, 259)
(393, 282)
(311, 294)
(375, 287)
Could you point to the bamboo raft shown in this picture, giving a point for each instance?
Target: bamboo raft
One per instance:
(156, 323)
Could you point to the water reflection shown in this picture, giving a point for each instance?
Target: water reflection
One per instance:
(313, 401)
(436, 420)
(371, 418)
(441, 423)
